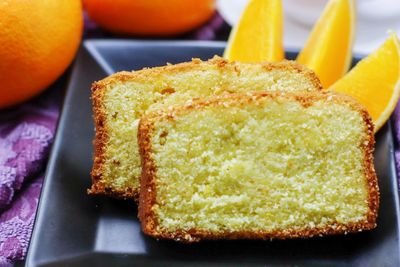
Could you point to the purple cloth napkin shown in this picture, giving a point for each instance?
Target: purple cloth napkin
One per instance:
(26, 134)
(16, 223)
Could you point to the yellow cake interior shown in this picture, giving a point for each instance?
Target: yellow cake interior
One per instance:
(267, 167)
(126, 101)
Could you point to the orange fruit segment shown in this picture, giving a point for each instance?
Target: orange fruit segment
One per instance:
(375, 81)
(328, 50)
(257, 37)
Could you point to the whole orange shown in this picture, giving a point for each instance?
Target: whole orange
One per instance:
(38, 40)
(149, 17)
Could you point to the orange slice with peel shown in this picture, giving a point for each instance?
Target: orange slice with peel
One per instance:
(328, 50)
(375, 81)
(258, 35)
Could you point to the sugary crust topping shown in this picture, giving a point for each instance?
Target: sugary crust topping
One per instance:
(142, 75)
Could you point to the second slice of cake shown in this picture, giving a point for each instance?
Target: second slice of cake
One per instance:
(258, 165)
(120, 100)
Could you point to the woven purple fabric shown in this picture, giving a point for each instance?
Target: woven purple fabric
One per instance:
(26, 134)
(16, 223)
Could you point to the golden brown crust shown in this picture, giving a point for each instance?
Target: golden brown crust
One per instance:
(99, 110)
(147, 197)
(99, 142)
(147, 180)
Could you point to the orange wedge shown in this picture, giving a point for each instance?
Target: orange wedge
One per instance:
(375, 81)
(328, 50)
(257, 37)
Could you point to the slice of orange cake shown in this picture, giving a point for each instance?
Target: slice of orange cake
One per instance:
(258, 165)
(121, 99)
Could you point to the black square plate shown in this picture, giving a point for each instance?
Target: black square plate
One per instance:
(75, 229)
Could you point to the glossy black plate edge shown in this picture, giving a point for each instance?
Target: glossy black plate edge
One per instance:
(93, 47)
(395, 182)
(82, 55)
